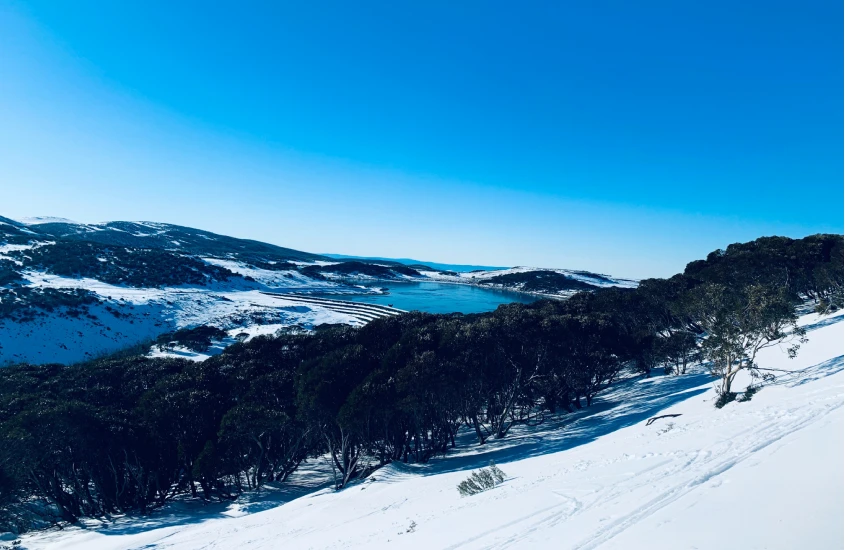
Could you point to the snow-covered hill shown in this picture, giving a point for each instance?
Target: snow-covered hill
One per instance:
(761, 474)
(71, 291)
(156, 235)
(542, 281)
(139, 280)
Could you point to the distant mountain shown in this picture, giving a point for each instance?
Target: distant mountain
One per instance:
(13, 229)
(160, 236)
(459, 268)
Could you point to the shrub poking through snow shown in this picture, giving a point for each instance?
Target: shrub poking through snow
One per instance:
(483, 479)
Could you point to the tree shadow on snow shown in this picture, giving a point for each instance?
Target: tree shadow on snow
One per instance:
(825, 322)
(313, 477)
(629, 402)
(810, 374)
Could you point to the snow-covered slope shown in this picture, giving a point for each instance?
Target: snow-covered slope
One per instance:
(151, 278)
(761, 474)
(142, 279)
(128, 316)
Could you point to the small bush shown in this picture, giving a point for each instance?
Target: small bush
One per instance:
(482, 480)
(725, 398)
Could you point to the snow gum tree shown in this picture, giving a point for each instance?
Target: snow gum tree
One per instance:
(323, 392)
(738, 324)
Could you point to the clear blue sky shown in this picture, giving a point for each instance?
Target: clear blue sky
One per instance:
(623, 137)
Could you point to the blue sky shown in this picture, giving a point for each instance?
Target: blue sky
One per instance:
(622, 137)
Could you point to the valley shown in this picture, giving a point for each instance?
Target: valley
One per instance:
(73, 292)
(421, 276)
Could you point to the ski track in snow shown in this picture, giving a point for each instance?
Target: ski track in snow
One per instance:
(704, 470)
(686, 475)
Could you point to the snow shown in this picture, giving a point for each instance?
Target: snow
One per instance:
(5, 248)
(148, 312)
(291, 279)
(152, 225)
(63, 339)
(321, 263)
(234, 335)
(37, 220)
(806, 465)
(766, 473)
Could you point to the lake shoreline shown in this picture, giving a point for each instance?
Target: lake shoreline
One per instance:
(439, 296)
(358, 282)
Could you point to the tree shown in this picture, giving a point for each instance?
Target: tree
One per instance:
(828, 279)
(678, 350)
(325, 387)
(262, 442)
(738, 324)
(182, 413)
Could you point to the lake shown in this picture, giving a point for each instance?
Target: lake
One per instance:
(440, 297)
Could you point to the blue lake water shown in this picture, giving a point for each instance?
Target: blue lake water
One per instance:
(440, 297)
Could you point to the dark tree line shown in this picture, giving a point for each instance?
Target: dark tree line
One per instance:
(126, 435)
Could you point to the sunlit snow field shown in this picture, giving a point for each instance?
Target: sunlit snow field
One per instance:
(764, 474)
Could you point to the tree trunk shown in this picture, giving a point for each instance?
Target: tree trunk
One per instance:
(477, 426)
